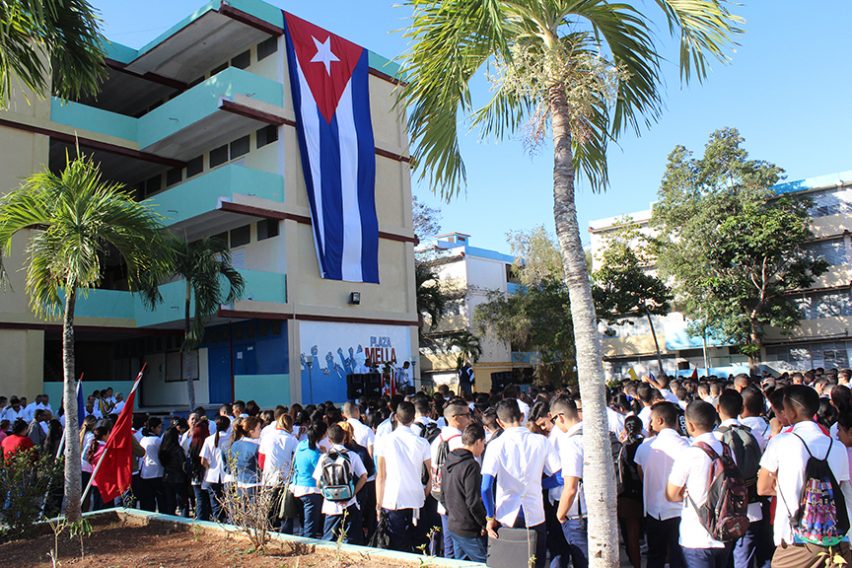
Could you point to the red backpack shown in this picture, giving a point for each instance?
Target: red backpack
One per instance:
(723, 513)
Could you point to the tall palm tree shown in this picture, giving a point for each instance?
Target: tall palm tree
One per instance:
(72, 220)
(205, 266)
(39, 38)
(587, 70)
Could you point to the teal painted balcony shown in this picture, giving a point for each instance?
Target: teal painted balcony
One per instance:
(198, 200)
(213, 112)
(116, 305)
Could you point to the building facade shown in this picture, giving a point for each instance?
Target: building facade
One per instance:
(822, 338)
(470, 274)
(200, 123)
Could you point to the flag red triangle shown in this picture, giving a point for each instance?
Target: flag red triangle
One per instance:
(114, 475)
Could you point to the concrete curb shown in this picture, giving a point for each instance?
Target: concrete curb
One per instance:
(318, 544)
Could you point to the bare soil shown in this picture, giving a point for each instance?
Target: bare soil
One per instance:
(134, 542)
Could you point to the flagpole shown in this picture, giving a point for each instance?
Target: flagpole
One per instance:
(100, 461)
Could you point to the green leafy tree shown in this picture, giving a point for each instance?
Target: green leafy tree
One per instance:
(211, 280)
(734, 248)
(586, 70)
(623, 286)
(74, 219)
(537, 255)
(43, 37)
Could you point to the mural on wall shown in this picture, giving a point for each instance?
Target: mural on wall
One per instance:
(331, 351)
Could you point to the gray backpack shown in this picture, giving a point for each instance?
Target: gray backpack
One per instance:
(747, 453)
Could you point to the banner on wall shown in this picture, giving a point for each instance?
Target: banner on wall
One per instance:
(331, 351)
(329, 80)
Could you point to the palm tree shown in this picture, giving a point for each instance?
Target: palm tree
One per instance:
(73, 219)
(587, 70)
(58, 37)
(205, 266)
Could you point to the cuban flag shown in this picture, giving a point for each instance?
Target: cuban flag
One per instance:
(329, 82)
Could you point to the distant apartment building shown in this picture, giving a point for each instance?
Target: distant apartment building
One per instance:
(470, 273)
(821, 340)
(200, 122)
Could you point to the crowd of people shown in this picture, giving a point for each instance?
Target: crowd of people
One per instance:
(710, 473)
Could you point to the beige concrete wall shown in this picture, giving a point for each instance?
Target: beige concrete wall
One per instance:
(22, 353)
(812, 329)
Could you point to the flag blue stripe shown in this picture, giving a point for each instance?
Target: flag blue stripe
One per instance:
(366, 171)
(332, 197)
(81, 409)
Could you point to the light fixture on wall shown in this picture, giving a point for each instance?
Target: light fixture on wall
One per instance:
(355, 298)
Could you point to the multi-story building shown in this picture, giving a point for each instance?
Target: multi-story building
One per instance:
(822, 339)
(200, 123)
(470, 274)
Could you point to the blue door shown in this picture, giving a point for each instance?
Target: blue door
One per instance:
(219, 373)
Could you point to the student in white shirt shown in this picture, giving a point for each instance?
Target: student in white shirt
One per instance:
(212, 458)
(688, 484)
(400, 457)
(572, 512)
(14, 411)
(342, 515)
(782, 471)
(457, 415)
(645, 393)
(655, 458)
(276, 451)
(662, 383)
(151, 472)
(754, 404)
(515, 462)
(745, 548)
(363, 434)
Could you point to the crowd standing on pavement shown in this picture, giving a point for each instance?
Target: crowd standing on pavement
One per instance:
(717, 472)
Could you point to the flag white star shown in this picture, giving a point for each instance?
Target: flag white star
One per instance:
(324, 54)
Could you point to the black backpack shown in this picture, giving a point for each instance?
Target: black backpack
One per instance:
(747, 453)
(430, 433)
(629, 479)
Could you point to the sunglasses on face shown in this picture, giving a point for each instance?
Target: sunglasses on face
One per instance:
(555, 417)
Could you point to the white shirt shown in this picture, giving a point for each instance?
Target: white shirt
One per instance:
(216, 472)
(11, 414)
(404, 454)
(786, 456)
(692, 469)
(278, 449)
(119, 406)
(362, 433)
(755, 510)
(615, 421)
(656, 457)
(758, 426)
(151, 466)
(358, 469)
(28, 413)
(517, 459)
(571, 459)
(384, 428)
(645, 417)
(525, 410)
(420, 424)
(669, 396)
(453, 438)
(266, 431)
(84, 465)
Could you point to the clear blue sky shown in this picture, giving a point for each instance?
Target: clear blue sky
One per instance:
(787, 89)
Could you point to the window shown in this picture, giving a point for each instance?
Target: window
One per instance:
(831, 202)
(825, 304)
(240, 236)
(267, 135)
(267, 229)
(218, 156)
(242, 60)
(153, 185)
(173, 176)
(240, 147)
(221, 237)
(833, 251)
(221, 67)
(267, 48)
(195, 166)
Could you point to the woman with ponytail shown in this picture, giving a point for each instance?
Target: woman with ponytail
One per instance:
(212, 457)
(86, 437)
(243, 456)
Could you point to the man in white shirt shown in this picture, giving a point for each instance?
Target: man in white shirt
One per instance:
(345, 515)
(515, 462)
(688, 483)
(400, 457)
(754, 405)
(730, 405)
(457, 415)
(363, 434)
(14, 411)
(655, 458)
(572, 512)
(662, 383)
(782, 474)
(645, 394)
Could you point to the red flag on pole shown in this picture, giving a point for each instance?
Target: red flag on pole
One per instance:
(114, 460)
(694, 375)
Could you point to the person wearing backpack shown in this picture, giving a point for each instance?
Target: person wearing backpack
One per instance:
(804, 467)
(630, 510)
(457, 415)
(705, 478)
(340, 475)
(461, 480)
(746, 447)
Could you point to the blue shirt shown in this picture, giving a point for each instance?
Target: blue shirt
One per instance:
(242, 458)
(305, 462)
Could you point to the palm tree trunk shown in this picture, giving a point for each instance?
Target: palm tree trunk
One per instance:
(656, 343)
(599, 472)
(190, 383)
(69, 402)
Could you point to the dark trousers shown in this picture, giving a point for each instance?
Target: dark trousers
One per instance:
(215, 492)
(175, 497)
(473, 548)
(399, 529)
(349, 523)
(706, 557)
(202, 503)
(557, 548)
(744, 549)
(367, 501)
(577, 536)
(449, 542)
(153, 495)
(312, 518)
(662, 537)
(541, 541)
